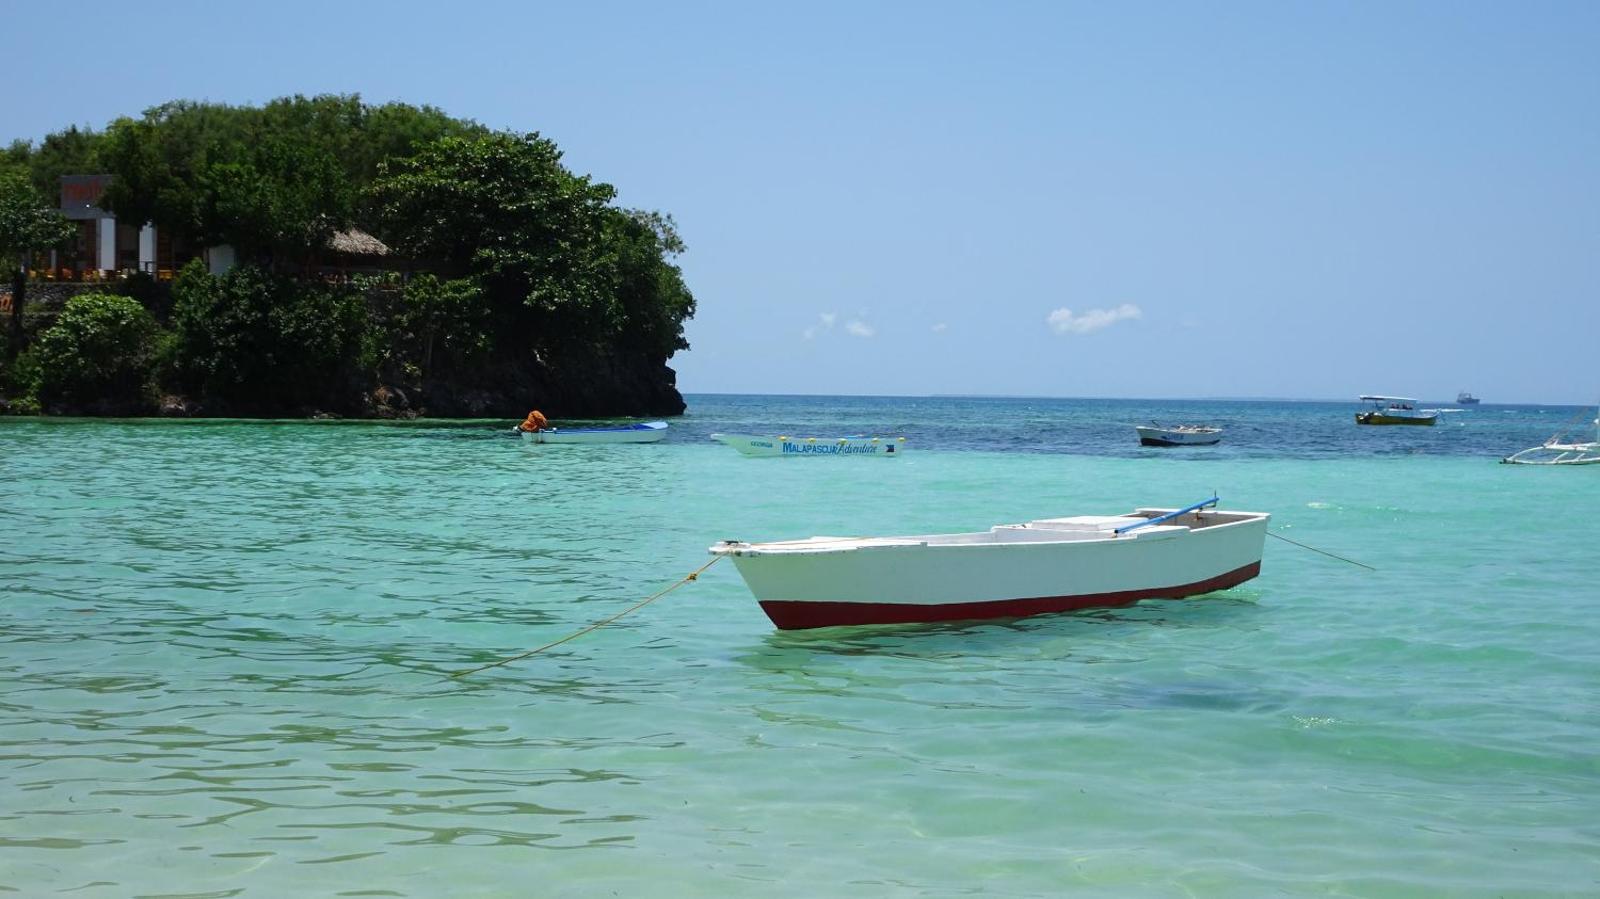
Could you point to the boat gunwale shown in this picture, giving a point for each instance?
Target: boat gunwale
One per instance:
(1088, 536)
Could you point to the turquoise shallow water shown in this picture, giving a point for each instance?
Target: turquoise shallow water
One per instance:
(223, 650)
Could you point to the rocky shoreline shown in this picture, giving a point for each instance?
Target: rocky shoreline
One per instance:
(596, 386)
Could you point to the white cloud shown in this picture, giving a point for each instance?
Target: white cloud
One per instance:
(859, 328)
(939, 327)
(1065, 321)
(827, 320)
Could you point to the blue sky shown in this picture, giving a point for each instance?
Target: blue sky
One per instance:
(1155, 200)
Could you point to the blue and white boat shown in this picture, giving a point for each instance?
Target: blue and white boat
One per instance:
(829, 447)
(643, 432)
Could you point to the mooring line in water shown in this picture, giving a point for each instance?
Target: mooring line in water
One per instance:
(1324, 552)
(693, 575)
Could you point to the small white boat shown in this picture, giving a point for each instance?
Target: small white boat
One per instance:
(832, 447)
(1178, 435)
(1556, 451)
(1394, 410)
(644, 432)
(1008, 571)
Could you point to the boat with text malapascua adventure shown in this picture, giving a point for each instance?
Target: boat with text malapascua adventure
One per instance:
(1557, 451)
(536, 429)
(829, 447)
(1394, 410)
(1154, 434)
(1008, 571)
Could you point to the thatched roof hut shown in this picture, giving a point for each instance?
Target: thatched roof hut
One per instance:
(356, 242)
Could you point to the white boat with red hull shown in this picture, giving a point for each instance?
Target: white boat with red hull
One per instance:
(1008, 571)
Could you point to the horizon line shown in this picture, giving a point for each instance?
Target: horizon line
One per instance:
(1042, 396)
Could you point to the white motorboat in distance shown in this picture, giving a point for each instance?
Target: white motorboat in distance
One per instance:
(1008, 571)
(643, 432)
(1178, 435)
(1394, 410)
(831, 447)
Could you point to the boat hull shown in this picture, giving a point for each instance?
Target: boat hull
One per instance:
(901, 580)
(1557, 454)
(649, 432)
(1379, 418)
(802, 614)
(1170, 437)
(823, 447)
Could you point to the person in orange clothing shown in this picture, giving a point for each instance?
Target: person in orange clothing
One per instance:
(534, 422)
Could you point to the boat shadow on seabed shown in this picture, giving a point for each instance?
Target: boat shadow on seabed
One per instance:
(969, 656)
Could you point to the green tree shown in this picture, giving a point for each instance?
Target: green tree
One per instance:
(446, 323)
(213, 174)
(275, 182)
(502, 208)
(102, 348)
(73, 151)
(27, 225)
(651, 300)
(264, 343)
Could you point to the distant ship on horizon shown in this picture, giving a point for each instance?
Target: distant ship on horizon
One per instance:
(1466, 399)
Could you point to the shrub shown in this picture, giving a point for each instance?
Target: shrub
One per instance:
(101, 349)
(269, 344)
(446, 323)
(19, 383)
(151, 294)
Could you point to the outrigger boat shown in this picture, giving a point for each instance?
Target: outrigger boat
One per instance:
(813, 446)
(1555, 452)
(1154, 434)
(1008, 571)
(644, 432)
(1395, 410)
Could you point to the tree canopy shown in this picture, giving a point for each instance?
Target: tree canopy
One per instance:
(27, 222)
(273, 181)
(523, 276)
(502, 210)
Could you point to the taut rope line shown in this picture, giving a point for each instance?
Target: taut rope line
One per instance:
(693, 575)
(1315, 550)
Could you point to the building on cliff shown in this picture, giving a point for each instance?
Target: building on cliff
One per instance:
(105, 249)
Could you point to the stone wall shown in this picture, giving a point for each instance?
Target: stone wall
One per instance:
(44, 301)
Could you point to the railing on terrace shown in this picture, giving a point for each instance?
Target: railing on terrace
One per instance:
(68, 275)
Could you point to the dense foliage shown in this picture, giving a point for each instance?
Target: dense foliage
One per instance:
(102, 348)
(27, 225)
(273, 181)
(514, 282)
(27, 221)
(264, 343)
(561, 268)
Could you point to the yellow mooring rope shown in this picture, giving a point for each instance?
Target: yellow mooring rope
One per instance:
(693, 575)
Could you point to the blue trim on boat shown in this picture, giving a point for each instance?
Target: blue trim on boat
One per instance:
(1167, 517)
(644, 426)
